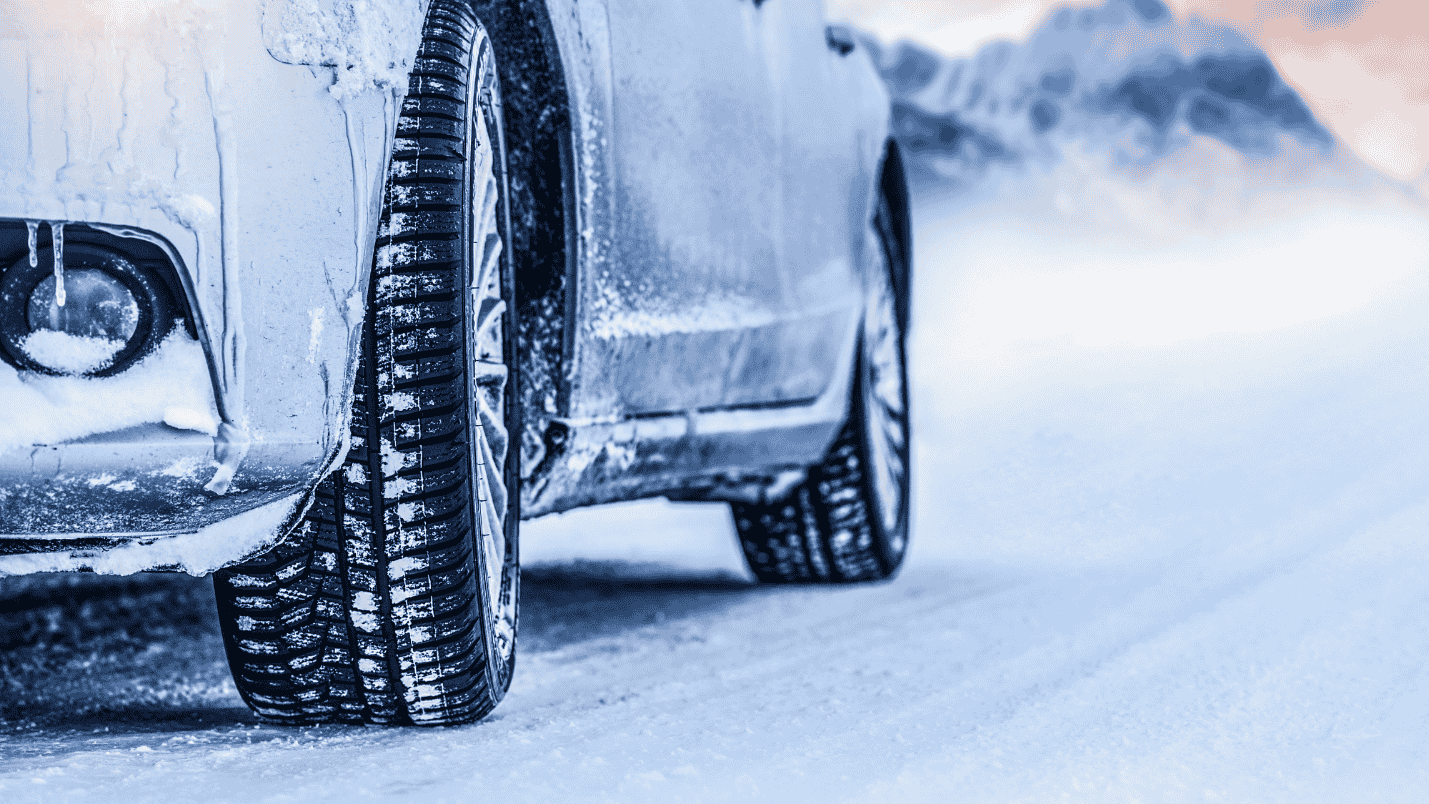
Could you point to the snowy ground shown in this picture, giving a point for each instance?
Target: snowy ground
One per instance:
(1172, 505)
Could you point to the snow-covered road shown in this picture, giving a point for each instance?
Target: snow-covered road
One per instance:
(1152, 563)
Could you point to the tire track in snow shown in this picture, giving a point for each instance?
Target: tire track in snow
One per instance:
(1309, 685)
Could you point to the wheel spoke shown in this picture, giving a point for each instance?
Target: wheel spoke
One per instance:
(493, 431)
(489, 329)
(487, 277)
(491, 469)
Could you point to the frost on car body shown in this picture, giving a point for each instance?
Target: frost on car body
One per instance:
(551, 236)
(183, 131)
(688, 242)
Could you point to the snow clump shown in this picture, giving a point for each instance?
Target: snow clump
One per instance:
(43, 409)
(71, 354)
(369, 43)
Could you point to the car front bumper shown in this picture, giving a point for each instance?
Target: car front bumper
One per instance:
(177, 118)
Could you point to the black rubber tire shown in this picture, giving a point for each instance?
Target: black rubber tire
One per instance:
(827, 528)
(380, 607)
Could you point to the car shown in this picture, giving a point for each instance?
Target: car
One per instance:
(325, 297)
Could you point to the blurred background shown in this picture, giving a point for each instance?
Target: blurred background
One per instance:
(1360, 66)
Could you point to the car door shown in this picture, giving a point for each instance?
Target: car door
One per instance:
(693, 308)
(824, 184)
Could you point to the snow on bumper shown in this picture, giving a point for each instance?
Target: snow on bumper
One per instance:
(177, 117)
(196, 553)
(129, 453)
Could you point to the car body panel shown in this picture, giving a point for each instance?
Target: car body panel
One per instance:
(172, 118)
(265, 178)
(720, 294)
(696, 278)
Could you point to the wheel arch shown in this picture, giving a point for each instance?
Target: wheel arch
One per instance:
(536, 110)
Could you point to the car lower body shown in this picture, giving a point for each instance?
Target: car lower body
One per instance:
(319, 356)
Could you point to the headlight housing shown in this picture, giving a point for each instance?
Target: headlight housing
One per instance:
(117, 305)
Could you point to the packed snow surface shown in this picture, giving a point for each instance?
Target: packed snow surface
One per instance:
(1157, 557)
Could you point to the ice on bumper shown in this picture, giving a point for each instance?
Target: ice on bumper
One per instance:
(95, 458)
(172, 135)
(371, 42)
(196, 553)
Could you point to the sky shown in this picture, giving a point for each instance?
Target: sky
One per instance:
(1362, 65)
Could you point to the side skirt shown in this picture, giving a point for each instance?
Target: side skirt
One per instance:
(731, 454)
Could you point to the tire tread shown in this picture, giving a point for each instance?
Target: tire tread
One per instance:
(316, 630)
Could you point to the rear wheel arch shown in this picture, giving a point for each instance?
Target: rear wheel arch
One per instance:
(849, 518)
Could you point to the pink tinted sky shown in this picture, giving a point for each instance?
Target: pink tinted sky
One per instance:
(1362, 66)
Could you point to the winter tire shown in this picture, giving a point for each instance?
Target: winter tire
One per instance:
(395, 599)
(848, 520)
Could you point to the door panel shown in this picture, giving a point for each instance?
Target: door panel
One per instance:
(695, 308)
(823, 198)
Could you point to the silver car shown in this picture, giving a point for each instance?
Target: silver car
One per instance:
(325, 296)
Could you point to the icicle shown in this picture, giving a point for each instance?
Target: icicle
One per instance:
(57, 233)
(57, 302)
(33, 227)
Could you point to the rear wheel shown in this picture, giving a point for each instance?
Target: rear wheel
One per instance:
(848, 520)
(395, 601)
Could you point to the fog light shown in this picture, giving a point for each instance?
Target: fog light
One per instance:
(111, 314)
(96, 306)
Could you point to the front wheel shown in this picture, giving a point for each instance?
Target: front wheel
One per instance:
(848, 520)
(395, 600)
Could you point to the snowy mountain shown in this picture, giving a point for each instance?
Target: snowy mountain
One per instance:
(1125, 81)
